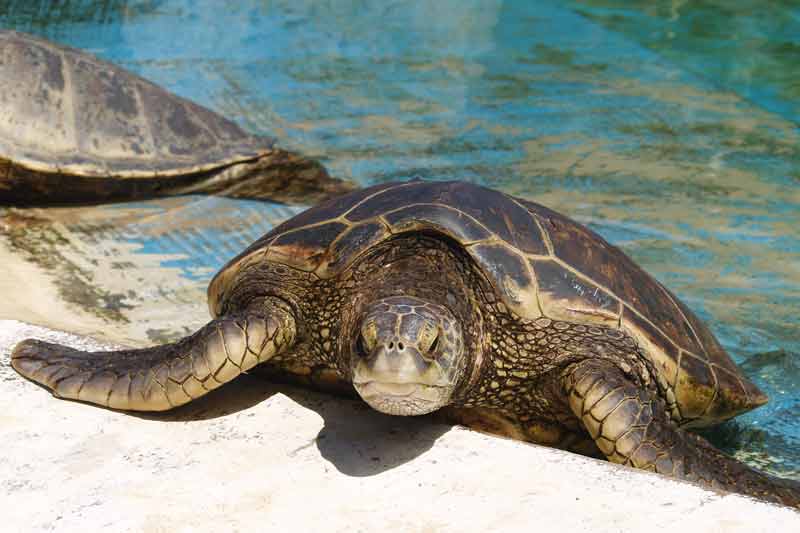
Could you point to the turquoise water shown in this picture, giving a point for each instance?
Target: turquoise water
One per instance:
(671, 128)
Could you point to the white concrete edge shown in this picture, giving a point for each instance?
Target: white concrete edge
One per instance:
(258, 457)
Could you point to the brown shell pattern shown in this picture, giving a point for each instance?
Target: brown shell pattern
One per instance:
(65, 110)
(540, 263)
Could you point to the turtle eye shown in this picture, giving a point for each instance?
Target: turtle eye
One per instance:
(361, 346)
(428, 339)
(434, 345)
(430, 354)
(367, 339)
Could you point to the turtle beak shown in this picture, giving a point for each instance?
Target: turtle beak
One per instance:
(396, 380)
(395, 363)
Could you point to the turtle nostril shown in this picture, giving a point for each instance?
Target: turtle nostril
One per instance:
(391, 345)
(400, 346)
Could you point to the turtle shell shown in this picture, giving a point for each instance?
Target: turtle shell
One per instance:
(63, 110)
(540, 263)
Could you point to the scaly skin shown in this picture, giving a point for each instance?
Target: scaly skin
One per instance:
(631, 426)
(161, 377)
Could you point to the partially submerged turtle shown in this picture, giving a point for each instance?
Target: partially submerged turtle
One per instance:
(426, 296)
(74, 128)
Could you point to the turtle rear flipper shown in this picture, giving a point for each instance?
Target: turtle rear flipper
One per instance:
(631, 426)
(161, 377)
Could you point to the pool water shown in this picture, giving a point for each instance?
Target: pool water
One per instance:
(669, 127)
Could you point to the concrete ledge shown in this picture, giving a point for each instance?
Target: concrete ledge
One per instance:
(254, 457)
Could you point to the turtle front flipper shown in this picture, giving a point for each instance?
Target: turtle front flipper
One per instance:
(161, 377)
(631, 426)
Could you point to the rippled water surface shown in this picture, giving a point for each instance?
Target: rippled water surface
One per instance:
(669, 127)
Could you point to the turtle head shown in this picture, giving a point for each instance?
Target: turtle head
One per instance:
(407, 356)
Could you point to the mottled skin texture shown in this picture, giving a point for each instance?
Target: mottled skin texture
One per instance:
(77, 129)
(497, 331)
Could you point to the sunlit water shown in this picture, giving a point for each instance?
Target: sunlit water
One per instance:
(670, 127)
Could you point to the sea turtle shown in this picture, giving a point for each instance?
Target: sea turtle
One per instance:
(74, 128)
(431, 295)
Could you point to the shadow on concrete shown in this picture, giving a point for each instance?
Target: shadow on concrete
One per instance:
(355, 439)
(240, 394)
(359, 441)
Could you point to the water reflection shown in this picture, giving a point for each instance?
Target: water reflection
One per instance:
(750, 46)
(669, 127)
(48, 13)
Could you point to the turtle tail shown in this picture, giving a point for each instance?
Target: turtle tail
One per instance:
(160, 377)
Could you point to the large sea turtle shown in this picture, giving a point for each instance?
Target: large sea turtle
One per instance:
(74, 128)
(428, 295)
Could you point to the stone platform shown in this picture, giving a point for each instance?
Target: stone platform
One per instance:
(254, 456)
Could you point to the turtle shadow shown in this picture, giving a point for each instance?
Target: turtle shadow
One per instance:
(357, 440)
(240, 394)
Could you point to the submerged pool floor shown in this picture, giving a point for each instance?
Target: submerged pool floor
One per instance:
(670, 128)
